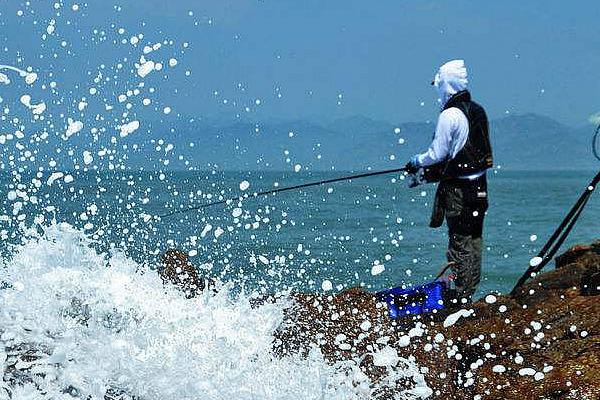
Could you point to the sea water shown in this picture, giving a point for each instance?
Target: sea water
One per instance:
(372, 233)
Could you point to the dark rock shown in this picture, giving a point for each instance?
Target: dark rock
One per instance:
(177, 270)
(575, 253)
(590, 282)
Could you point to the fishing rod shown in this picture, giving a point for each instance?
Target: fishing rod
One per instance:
(559, 236)
(285, 189)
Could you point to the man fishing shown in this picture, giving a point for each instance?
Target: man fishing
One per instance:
(458, 158)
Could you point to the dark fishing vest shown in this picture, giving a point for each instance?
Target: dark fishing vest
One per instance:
(476, 155)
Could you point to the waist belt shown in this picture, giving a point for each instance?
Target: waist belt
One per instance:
(463, 182)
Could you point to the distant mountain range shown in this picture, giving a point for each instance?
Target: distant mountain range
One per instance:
(520, 142)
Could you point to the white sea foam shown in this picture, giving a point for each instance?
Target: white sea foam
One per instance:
(54, 177)
(93, 321)
(535, 261)
(453, 318)
(4, 79)
(244, 185)
(30, 77)
(88, 158)
(36, 109)
(386, 357)
(73, 128)
(326, 285)
(128, 128)
(145, 67)
(490, 299)
(377, 269)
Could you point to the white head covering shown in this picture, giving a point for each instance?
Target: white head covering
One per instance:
(450, 79)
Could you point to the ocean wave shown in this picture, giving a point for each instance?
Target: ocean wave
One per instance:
(75, 323)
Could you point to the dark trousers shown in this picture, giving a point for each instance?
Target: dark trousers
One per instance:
(463, 203)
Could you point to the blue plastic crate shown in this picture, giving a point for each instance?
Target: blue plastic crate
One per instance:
(414, 300)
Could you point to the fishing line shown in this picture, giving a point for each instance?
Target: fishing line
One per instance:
(595, 143)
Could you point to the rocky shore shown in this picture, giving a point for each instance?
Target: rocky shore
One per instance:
(541, 343)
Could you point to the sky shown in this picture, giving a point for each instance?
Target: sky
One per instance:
(282, 59)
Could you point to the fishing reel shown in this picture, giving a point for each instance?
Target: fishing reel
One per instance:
(430, 174)
(416, 179)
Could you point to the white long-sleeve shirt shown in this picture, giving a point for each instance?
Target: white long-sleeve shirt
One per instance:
(451, 134)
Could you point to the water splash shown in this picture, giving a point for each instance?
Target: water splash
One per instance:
(89, 324)
(81, 319)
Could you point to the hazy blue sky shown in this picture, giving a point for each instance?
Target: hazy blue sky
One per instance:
(523, 56)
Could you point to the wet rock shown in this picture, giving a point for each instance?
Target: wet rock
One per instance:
(573, 269)
(178, 270)
(576, 253)
(541, 343)
(590, 282)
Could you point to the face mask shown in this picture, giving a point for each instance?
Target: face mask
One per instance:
(436, 83)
